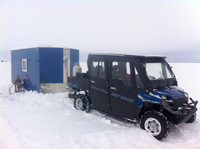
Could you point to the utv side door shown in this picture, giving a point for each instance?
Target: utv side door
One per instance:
(99, 83)
(121, 86)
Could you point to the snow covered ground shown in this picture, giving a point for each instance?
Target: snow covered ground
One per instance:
(41, 121)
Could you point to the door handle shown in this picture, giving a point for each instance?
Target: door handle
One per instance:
(92, 82)
(114, 88)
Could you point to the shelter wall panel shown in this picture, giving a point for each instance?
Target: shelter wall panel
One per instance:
(31, 77)
(51, 65)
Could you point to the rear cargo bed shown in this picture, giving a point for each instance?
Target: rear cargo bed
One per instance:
(78, 83)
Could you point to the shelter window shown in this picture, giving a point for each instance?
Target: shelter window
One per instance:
(24, 65)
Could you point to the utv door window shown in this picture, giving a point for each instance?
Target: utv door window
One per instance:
(139, 83)
(98, 69)
(94, 69)
(101, 70)
(128, 70)
(121, 71)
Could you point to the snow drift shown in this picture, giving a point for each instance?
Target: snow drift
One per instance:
(36, 120)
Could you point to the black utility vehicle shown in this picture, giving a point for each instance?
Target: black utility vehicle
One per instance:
(138, 88)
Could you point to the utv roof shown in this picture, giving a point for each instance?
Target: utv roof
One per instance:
(124, 55)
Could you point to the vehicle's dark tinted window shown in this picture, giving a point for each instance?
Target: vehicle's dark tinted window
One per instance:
(121, 71)
(98, 69)
(94, 70)
(139, 83)
(102, 70)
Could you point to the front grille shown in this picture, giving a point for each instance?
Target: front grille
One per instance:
(178, 102)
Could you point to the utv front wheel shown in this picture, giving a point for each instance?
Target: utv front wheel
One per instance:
(155, 123)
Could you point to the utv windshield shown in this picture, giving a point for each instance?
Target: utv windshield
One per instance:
(158, 71)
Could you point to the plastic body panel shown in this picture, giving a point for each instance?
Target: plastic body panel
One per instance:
(78, 83)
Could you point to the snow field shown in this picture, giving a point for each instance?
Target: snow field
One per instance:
(42, 121)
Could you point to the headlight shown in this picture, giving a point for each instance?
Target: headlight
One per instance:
(186, 95)
(164, 97)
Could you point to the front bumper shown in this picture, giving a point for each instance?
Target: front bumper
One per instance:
(185, 112)
(187, 116)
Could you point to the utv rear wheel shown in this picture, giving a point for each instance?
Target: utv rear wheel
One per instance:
(78, 104)
(82, 103)
(155, 123)
(192, 119)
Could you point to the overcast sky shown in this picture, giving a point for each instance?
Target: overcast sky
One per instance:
(148, 27)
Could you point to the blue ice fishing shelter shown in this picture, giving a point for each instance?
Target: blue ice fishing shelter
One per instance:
(44, 69)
